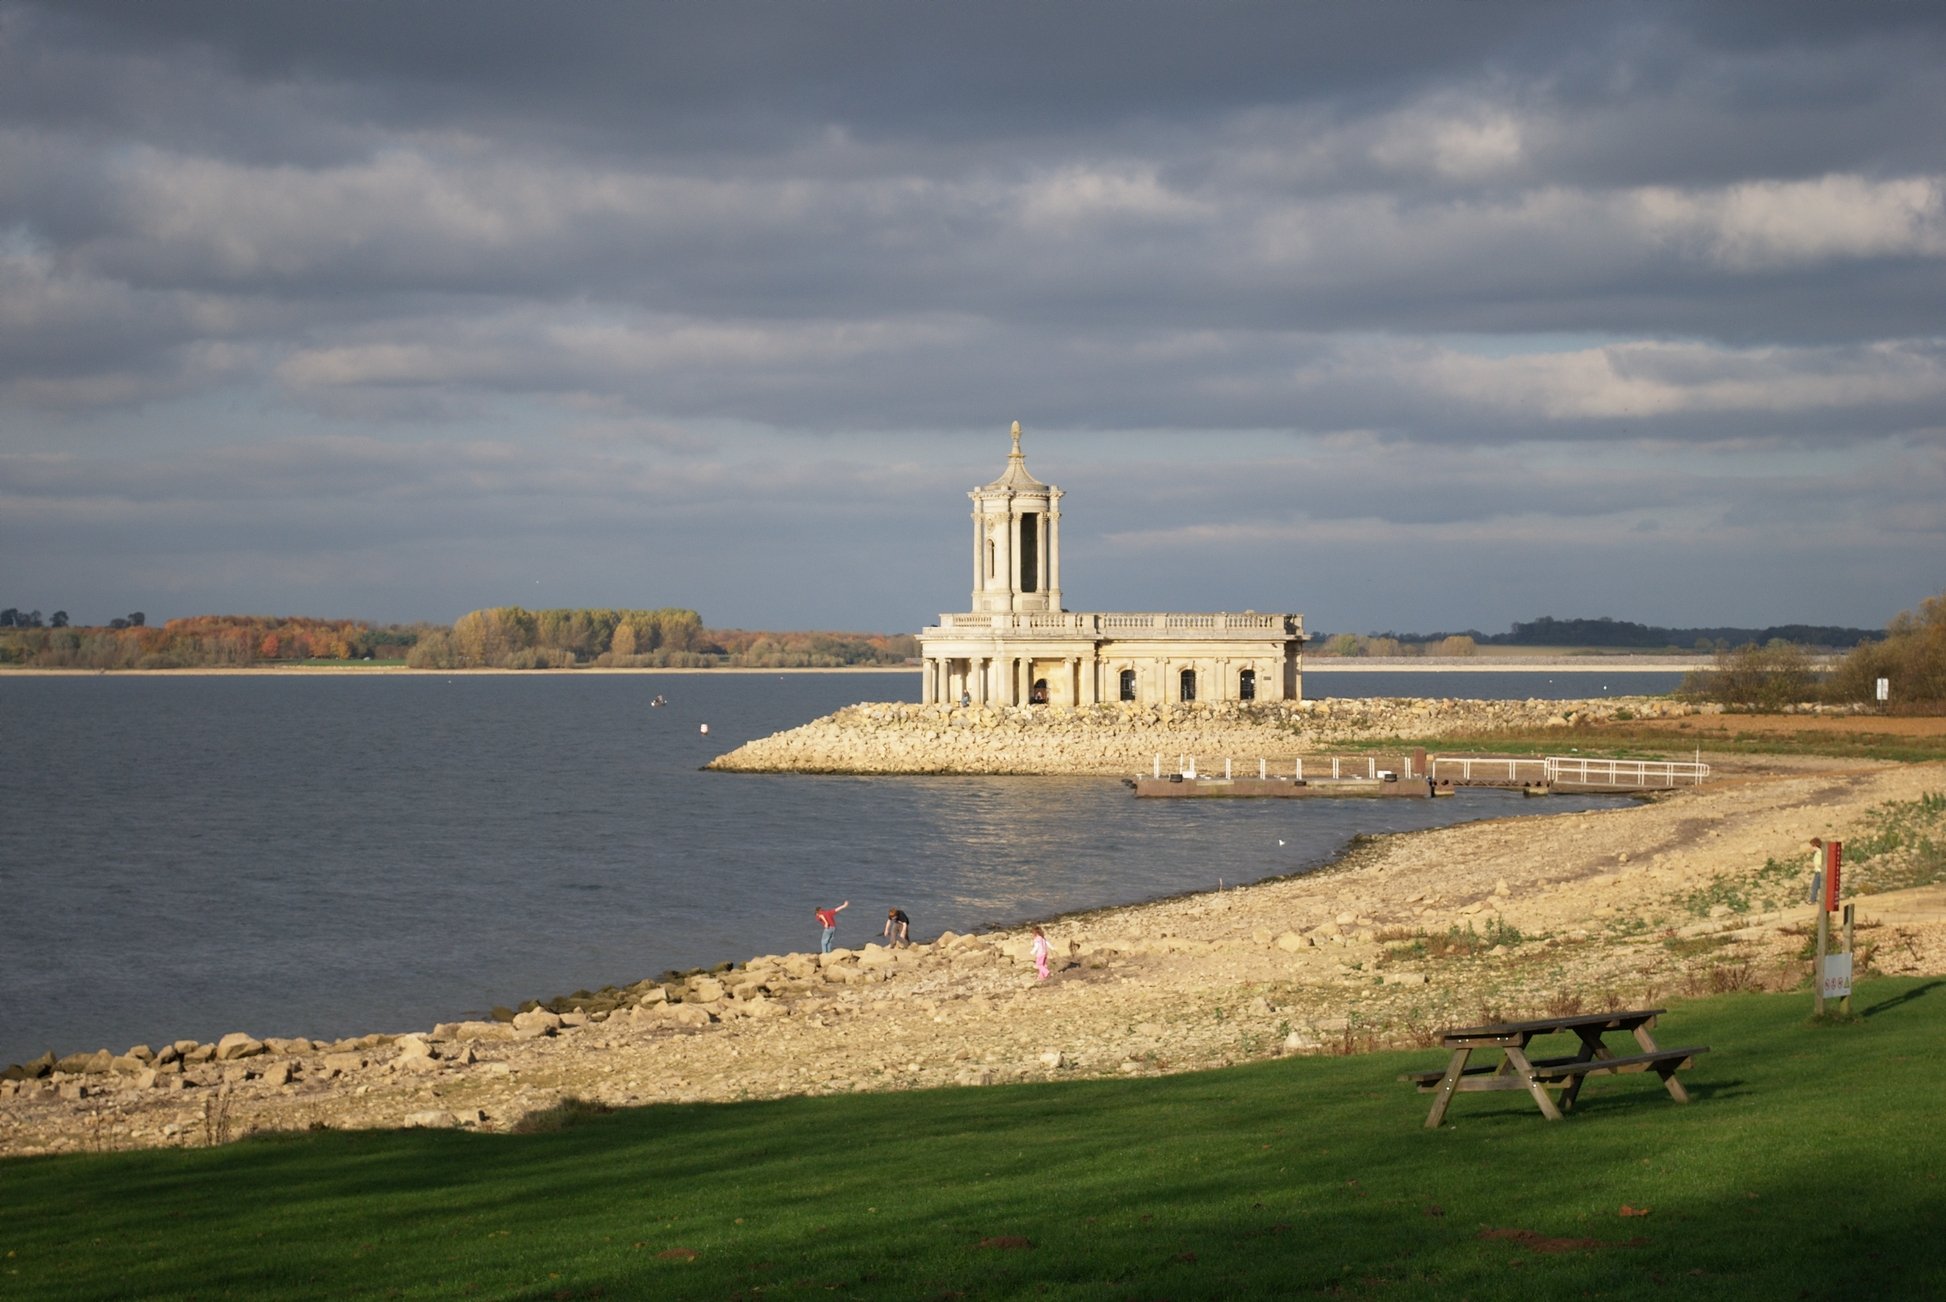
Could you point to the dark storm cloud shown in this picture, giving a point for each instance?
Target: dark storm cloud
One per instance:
(479, 282)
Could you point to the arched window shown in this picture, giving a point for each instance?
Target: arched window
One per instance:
(1037, 694)
(1189, 684)
(1247, 685)
(1128, 684)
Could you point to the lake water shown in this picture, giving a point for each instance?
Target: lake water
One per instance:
(186, 856)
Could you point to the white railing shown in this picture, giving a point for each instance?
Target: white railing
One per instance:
(1477, 769)
(1342, 767)
(1625, 773)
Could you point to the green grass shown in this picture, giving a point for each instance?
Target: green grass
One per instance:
(1809, 1166)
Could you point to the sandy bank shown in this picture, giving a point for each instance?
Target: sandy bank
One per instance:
(1616, 907)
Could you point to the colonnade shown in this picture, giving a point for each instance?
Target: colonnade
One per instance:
(1090, 680)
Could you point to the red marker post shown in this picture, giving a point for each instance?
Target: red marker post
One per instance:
(1833, 974)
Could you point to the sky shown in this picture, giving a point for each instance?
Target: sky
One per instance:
(1414, 317)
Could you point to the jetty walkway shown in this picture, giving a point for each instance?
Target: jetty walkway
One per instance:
(1412, 774)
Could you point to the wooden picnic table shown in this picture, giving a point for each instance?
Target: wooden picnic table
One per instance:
(1517, 1071)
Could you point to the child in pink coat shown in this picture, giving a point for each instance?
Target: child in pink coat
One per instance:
(1040, 953)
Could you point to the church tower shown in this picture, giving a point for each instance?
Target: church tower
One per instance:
(1017, 645)
(1016, 541)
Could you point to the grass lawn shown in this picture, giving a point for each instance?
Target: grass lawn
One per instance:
(1809, 1166)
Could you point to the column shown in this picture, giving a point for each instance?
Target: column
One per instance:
(979, 559)
(1053, 555)
(1040, 553)
(1003, 577)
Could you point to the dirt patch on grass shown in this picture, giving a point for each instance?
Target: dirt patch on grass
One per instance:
(1848, 725)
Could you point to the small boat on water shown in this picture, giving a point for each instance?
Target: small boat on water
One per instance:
(659, 700)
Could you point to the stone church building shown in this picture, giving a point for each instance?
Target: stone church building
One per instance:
(1018, 645)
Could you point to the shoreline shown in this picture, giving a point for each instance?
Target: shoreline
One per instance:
(1400, 935)
(1552, 664)
(402, 671)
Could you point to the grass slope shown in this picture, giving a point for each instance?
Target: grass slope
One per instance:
(1809, 1165)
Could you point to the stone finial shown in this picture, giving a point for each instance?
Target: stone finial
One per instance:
(1016, 451)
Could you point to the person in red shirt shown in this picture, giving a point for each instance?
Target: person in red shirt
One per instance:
(829, 919)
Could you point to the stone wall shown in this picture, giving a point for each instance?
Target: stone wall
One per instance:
(1124, 739)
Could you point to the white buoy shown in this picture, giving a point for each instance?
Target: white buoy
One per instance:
(706, 727)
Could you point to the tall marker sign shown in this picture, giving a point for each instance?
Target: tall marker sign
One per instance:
(1833, 972)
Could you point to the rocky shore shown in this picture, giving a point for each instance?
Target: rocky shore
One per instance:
(1125, 738)
(1409, 933)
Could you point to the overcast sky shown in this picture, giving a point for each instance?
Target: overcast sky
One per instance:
(1409, 316)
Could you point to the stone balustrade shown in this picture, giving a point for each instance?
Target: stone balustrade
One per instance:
(1111, 624)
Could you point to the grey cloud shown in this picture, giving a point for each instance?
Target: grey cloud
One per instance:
(420, 295)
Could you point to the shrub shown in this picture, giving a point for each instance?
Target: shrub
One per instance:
(1753, 677)
(1912, 657)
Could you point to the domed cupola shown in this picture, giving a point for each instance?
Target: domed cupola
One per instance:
(1016, 540)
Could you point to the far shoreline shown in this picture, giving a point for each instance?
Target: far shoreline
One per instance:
(1589, 664)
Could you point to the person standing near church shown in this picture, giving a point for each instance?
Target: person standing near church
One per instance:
(828, 918)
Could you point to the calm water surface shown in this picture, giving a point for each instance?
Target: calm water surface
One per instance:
(182, 857)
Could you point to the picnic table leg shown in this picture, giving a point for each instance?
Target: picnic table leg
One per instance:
(1591, 1047)
(1447, 1084)
(1534, 1087)
(1665, 1070)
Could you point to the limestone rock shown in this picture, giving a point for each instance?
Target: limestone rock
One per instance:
(432, 1119)
(536, 1024)
(238, 1044)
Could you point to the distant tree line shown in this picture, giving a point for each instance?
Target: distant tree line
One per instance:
(814, 650)
(201, 641)
(510, 637)
(1621, 634)
(502, 637)
(14, 618)
(1392, 645)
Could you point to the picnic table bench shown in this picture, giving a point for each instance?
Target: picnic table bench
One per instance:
(1517, 1071)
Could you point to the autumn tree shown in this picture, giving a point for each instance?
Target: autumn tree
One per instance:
(1912, 659)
